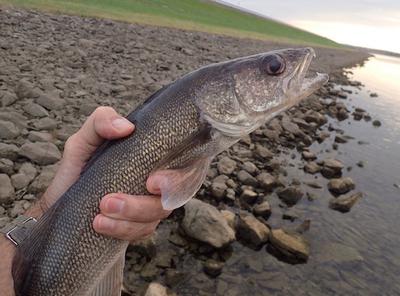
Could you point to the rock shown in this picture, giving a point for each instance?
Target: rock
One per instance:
(25, 89)
(262, 152)
(335, 252)
(218, 189)
(303, 227)
(291, 127)
(376, 123)
(290, 247)
(332, 168)
(213, 268)
(250, 167)
(6, 166)
(6, 189)
(20, 181)
(206, 224)
(262, 209)
(373, 95)
(290, 195)
(229, 217)
(230, 194)
(226, 165)
(340, 139)
(46, 123)
(173, 277)
(250, 230)
(44, 179)
(8, 98)
(249, 196)
(314, 116)
(344, 203)
(313, 184)
(20, 206)
(312, 167)
(307, 155)
(35, 136)
(341, 185)
(8, 130)
(50, 102)
(156, 289)
(290, 214)
(40, 153)
(266, 181)
(9, 151)
(246, 179)
(35, 110)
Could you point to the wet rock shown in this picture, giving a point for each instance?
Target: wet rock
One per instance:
(358, 115)
(341, 185)
(307, 155)
(250, 230)
(266, 181)
(40, 153)
(6, 189)
(344, 203)
(290, 214)
(8, 130)
(332, 168)
(218, 189)
(213, 268)
(312, 167)
(373, 95)
(246, 179)
(376, 123)
(262, 209)
(156, 289)
(335, 252)
(206, 224)
(249, 196)
(304, 226)
(340, 139)
(9, 151)
(35, 110)
(262, 152)
(289, 246)
(316, 117)
(50, 102)
(226, 165)
(6, 166)
(313, 184)
(290, 195)
(8, 98)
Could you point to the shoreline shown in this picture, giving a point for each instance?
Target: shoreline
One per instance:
(69, 65)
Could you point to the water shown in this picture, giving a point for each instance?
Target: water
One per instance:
(357, 253)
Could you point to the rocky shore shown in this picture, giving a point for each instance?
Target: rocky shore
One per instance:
(55, 70)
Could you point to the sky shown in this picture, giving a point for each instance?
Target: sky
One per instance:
(365, 23)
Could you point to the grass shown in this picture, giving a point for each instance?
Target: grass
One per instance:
(199, 15)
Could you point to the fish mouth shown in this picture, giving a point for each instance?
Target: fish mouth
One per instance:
(297, 86)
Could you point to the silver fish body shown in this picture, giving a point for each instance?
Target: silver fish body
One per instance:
(178, 131)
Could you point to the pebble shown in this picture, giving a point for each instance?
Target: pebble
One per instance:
(250, 230)
(312, 167)
(46, 123)
(340, 139)
(341, 185)
(376, 123)
(249, 196)
(344, 203)
(266, 181)
(156, 289)
(307, 155)
(8, 130)
(262, 152)
(35, 136)
(226, 166)
(35, 110)
(263, 209)
(6, 166)
(8, 98)
(218, 189)
(6, 189)
(9, 151)
(50, 102)
(40, 153)
(250, 167)
(229, 217)
(213, 268)
(290, 246)
(246, 179)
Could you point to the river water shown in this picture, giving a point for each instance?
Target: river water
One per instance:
(357, 253)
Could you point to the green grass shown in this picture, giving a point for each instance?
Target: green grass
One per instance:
(198, 15)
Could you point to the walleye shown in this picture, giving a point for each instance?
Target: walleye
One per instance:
(179, 129)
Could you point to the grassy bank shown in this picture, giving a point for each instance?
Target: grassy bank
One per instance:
(188, 14)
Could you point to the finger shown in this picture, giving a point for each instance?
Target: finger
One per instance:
(104, 123)
(155, 182)
(124, 230)
(133, 208)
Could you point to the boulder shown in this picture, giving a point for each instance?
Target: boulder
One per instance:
(40, 153)
(344, 203)
(205, 223)
(341, 185)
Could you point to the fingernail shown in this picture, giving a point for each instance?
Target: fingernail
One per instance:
(121, 123)
(114, 205)
(104, 223)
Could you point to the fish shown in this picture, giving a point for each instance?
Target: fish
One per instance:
(179, 129)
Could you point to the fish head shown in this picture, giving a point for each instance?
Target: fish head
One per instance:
(245, 93)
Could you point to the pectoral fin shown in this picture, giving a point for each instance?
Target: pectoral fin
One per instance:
(111, 283)
(178, 186)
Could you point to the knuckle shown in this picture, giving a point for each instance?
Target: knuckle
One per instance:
(103, 110)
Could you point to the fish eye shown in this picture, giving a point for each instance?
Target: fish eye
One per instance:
(273, 64)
